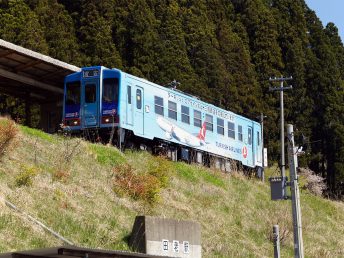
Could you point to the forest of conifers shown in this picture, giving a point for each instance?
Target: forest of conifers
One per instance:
(222, 51)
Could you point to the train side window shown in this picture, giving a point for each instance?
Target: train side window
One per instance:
(159, 105)
(249, 132)
(197, 118)
(129, 94)
(220, 126)
(185, 115)
(258, 139)
(73, 93)
(172, 110)
(231, 130)
(240, 136)
(138, 99)
(90, 93)
(209, 122)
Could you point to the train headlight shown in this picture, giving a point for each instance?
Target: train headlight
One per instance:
(72, 122)
(110, 119)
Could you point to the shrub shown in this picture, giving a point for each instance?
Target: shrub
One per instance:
(141, 184)
(61, 175)
(25, 176)
(279, 217)
(314, 183)
(8, 133)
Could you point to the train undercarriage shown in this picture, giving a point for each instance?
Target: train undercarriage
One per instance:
(125, 139)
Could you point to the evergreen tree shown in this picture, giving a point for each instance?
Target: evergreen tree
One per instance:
(173, 60)
(327, 92)
(203, 53)
(96, 36)
(59, 31)
(261, 28)
(242, 94)
(137, 36)
(20, 25)
(293, 40)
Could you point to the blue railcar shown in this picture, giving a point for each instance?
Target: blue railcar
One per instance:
(101, 98)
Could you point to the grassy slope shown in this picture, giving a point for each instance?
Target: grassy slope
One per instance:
(236, 213)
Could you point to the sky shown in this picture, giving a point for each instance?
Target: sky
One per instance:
(329, 11)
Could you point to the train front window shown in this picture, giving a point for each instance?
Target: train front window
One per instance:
(90, 93)
(110, 90)
(73, 93)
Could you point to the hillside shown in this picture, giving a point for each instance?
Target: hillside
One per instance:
(80, 201)
(221, 51)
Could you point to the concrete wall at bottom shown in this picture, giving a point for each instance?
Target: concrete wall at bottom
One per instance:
(166, 237)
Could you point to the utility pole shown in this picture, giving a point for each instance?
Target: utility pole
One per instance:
(281, 89)
(295, 194)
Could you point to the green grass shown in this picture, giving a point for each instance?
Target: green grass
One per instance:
(106, 155)
(37, 133)
(235, 213)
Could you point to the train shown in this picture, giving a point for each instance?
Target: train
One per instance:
(150, 116)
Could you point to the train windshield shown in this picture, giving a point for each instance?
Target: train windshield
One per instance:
(73, 93)
(110, 90)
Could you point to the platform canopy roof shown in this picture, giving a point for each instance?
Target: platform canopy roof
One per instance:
(25, 73)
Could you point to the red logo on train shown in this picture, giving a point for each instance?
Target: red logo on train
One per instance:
(244, 152)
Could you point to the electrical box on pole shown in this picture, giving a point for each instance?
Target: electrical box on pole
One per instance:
(278, 188)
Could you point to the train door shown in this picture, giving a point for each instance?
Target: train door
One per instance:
(139, 119)
(90, 103)
(258, 151)
(250, 147)
(129, 108)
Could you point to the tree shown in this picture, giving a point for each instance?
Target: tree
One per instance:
(173, 61)
(242, 94)
(96, 36)
(266, 55)
(59, 31)
(20, 26)
(137, 37)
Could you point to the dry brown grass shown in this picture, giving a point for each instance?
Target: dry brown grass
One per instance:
(236, 214)
(8, 133)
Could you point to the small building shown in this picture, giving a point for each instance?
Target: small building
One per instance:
(71, 251)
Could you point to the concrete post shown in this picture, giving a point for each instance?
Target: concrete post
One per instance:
(295, 195)
(276, 240)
